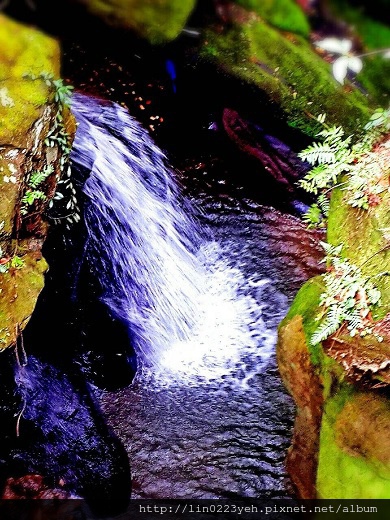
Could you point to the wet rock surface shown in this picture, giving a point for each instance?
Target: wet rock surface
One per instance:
(54, 430)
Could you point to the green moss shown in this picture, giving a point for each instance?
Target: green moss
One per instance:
(9, 192)
(305, 305)
(363, 234)
(18, 295)
(375, 78)
(283, 14)
(25, 51)
(289, 71)
(344, 472)
(157, 20)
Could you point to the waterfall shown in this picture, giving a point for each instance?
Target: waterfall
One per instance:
(187, 310)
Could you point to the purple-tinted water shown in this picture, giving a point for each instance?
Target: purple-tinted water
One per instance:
(207, 415)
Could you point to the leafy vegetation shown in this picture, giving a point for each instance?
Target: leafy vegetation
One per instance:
(347, 61)
(14, 262)
(337, 160)
(32, 193)
(58, 136)
(348, 298)
(357, 168)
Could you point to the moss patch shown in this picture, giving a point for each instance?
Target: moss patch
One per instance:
(24, 51)
(289, 71)
(351, 466)
(283, 14)
(306, 306)
(157, 20)
(363, 234)
(19, 290)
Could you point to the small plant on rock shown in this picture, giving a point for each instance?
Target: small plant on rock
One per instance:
(58, 136)
(32, 193)
(338, 161)
(349, 298)
(347, 61)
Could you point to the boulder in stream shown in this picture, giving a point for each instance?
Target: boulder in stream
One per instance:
(340, 385)
(159, 21)
(53, 436)
(270, 48)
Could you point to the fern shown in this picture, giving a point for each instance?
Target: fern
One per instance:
(313, 216)
(36, 178)
(337, 156)
(323, 204)
(324, 331)
(348, 297)
(317, 213)
(321, 153)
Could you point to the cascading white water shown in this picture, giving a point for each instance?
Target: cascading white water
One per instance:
(189, 313)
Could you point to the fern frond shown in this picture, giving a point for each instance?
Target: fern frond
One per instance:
(323, 204)
(37, 177)
(334, 132)
(321, 153)
(313, 216)
(326, 329)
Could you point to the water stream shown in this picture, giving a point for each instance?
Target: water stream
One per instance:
(201, 294)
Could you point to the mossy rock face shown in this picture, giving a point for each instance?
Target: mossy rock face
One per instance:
(364, 235)
(306, 306)
(309, 376)
(19, 290)
(27, 113)
(24, 112)
(353, 449)
(304, 384)
(283, 14)
(354, 459)
(286, 67)
(159, 21)
(25, 53)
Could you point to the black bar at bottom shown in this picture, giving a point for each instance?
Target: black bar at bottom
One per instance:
(188, 509)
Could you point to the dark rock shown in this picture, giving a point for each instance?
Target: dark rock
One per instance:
(55, 429)
(281, 163)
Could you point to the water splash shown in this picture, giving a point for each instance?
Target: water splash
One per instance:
(189, 313)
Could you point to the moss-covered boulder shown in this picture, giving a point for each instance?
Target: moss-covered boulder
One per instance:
(341, 406)
(354, 455)
(159, 21)
(266, 45)
(282, 14)
(27, 114)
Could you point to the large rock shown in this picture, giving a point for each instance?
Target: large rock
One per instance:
(266, 46)
(53, 435)
(340, 447)
(27, 113)
(158, 21)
